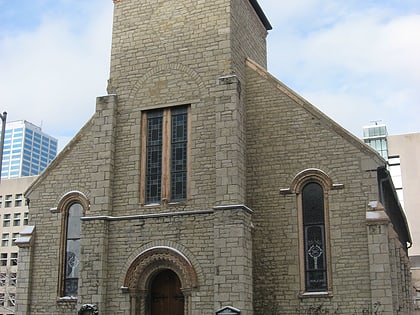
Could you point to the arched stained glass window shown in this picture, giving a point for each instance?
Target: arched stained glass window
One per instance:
(72, 249)
(313, 215)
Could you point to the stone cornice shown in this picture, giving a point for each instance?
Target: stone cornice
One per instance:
(146, 216)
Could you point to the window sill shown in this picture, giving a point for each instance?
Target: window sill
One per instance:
(67, 299)
(152, 205)
(170, 204)
(320, 294)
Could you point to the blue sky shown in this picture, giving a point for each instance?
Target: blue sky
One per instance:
(357, 61)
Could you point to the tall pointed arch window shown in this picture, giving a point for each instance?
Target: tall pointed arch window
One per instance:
(72, 247)
(72, 207)
(314, 241)
(312, 187)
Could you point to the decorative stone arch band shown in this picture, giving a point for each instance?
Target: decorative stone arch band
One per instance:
(310, 174)
(163, 71)
(147, 264)
(155, 259)
(71, 197)
(313, 175)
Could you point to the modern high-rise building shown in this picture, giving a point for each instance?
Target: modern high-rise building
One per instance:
(407, 147)
(375, 136)
(27, 150)
(403, 155)
(14, 216)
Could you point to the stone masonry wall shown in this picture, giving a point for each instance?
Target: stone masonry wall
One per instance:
(190, 234)
(84, 166)
(167, 54)
(285, 135)
(248, 38)
(163, 54)
(250, 136)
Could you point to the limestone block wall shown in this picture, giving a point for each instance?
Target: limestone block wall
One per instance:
(389, 266)
(167, 55)
(25, 243)
(230, 143)
(85, 166)
(217, 243)
(190, 234)
(286, 135)
(380, 268)
(233, 258)
(162, 55)
(250, 136)
(248, 37)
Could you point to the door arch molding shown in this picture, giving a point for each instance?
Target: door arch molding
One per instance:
(150, 262)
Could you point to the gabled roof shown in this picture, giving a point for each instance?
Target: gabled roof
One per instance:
(327, 121)
(387, 191)
(63, 153)
(261, 14)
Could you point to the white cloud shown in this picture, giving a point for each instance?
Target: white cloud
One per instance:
(52, 74)
(357, 61)
(357, 65)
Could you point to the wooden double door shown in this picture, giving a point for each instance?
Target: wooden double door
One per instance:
(166, 297)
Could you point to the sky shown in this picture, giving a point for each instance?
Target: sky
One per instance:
(357, 61)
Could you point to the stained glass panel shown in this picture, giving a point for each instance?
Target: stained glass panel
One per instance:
(314, 237)
(154, 143)
(179, 154)
(72, 259)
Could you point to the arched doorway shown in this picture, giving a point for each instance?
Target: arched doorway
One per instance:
(166, 296)
(154, 269)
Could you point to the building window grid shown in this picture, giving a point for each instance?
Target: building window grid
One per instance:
(5, 239)
(16, 219)
(18, 200)
(3, 259)
(13, 279)
(417, 299)
(14, 258)
(8, 201)
(3, 279)
(25, 218)
(15, 236)
(23, 140)
(11, 301)
(6, 220)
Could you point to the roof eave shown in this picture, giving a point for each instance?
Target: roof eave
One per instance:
(261, 15)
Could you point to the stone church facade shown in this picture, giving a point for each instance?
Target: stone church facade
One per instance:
(204, 185)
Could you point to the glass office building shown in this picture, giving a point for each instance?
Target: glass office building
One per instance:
(375, 136)
(27, 150)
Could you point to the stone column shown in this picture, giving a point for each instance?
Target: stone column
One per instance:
(230, 142)
(379, 259)
(94, 228)
(232, 219)
(23, 289)
(233, 258)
